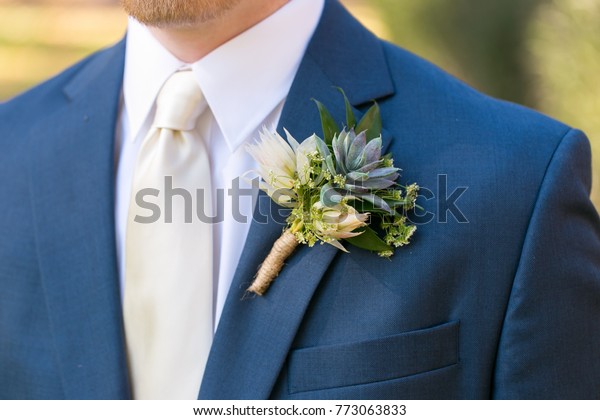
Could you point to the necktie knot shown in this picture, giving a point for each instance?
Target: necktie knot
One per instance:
(179, 103)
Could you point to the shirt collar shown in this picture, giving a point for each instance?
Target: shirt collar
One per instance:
(243, 80)
(148, 65)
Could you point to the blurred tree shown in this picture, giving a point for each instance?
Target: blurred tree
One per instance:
(40, 38)
(564, 61)
(480, 41)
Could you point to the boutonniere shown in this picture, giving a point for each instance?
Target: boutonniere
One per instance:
(339, 188)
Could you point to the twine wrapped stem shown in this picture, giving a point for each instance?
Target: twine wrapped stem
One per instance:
(272, 265)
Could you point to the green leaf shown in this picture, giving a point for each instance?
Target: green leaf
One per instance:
(350, 118)
(371, 123)
(330, 128)
(370, 241)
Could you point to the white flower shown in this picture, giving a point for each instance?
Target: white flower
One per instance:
(338, 222)
(276, 159)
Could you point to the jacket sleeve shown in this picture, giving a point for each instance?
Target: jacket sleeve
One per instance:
(549, 347)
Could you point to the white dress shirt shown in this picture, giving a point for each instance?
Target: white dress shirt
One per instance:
(245, 82)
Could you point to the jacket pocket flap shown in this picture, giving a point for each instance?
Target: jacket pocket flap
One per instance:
(382, 359)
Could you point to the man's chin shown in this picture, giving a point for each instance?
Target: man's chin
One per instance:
(177, 14)
(169, 24)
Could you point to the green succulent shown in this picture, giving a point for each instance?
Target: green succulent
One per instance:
(357, 172)
(360, 170)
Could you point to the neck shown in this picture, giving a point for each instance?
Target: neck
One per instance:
(190, 43)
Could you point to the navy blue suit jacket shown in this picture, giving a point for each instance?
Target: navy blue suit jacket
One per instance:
(497, 296)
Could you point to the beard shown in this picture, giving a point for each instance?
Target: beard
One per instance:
(176, 13)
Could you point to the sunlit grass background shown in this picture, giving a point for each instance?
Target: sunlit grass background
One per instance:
(541, 53)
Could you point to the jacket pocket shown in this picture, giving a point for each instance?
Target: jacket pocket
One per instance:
(382, 359)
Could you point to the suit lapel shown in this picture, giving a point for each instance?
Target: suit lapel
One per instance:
(72, 183)
(254, 335)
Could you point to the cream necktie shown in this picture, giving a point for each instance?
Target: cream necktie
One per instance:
(168, 267)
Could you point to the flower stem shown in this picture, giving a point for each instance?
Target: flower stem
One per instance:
(272, 265)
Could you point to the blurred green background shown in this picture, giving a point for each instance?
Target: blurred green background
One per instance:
(542, 53)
